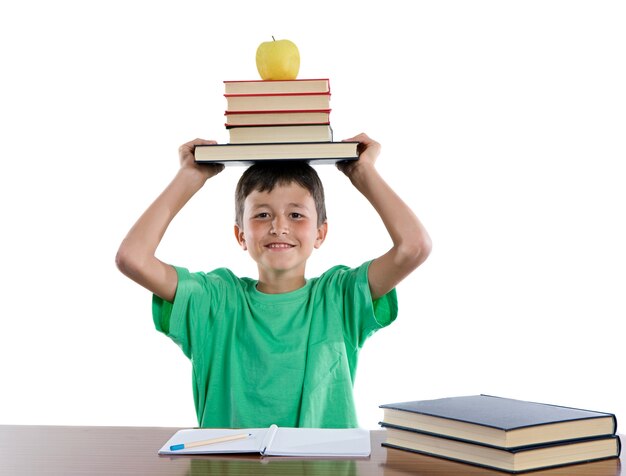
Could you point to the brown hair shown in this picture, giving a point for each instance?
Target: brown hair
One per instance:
(264, 176)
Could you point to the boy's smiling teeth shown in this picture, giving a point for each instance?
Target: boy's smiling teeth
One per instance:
(279, 245)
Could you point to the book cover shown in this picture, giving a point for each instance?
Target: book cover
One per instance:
(319, 152)
(405, 462)
(498, 421)
(514, 460)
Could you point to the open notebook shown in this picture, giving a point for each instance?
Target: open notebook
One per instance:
(274, 441)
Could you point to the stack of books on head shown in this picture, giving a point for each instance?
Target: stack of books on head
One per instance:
(501, 433)
(278, 120)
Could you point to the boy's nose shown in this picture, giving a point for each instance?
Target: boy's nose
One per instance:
(279, 226)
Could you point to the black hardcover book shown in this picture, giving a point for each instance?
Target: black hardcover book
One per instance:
(497, 421)
(319, 152)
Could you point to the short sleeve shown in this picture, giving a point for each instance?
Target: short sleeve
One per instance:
(362, 315)
(178, 318)
(386, 308)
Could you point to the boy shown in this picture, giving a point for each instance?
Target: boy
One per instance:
(281, 349)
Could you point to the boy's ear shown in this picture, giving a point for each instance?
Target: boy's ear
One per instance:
(240, 239)
(321, 234)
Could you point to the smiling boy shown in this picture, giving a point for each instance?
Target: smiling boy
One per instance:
(279, 349)
(280, 229)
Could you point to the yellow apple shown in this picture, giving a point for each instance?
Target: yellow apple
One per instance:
(278, 59)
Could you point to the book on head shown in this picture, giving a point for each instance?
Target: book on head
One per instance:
(272, 441)
(277, 102)
(319, 152)
(254, 118)
(282, 133)
(277, 86)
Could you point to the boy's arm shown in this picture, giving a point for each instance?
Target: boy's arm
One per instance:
(411, 243)
(136, 255)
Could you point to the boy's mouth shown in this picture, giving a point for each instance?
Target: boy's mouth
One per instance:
(279, 246)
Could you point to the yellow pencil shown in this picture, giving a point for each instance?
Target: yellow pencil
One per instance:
(220, 439)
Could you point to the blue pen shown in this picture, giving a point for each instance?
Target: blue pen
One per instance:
(221, 439)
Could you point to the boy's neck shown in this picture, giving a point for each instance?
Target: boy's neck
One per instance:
(280, 285)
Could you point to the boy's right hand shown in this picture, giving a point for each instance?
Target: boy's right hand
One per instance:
(187, 159)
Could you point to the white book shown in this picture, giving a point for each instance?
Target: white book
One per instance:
(272, 441)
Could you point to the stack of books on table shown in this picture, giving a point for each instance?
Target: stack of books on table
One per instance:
(278, 120)
(501, 433)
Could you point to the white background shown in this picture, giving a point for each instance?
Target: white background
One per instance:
(502, 124)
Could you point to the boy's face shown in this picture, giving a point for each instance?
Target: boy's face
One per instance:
(279, 230)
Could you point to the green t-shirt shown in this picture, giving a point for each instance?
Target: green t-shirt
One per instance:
(259, 359)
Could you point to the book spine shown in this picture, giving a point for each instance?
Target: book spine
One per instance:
(275, 94)
(242, 126)
(269, 438)
(277, 80)
(279, 111)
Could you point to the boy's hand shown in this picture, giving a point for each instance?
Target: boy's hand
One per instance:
(186, 154)
(368, 150)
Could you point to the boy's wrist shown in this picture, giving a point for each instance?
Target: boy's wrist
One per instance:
(359, 173)
(193, 177)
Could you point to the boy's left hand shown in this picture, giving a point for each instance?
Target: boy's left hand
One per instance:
(368, 150)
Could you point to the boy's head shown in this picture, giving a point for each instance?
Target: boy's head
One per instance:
(264, 176)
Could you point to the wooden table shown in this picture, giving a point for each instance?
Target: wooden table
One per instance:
(67, 451)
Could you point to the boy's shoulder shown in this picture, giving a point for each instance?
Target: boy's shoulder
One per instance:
(223, 274)
(341, 271)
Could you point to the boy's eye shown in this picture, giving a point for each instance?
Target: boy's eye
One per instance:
(262, 215)
(296, 215)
